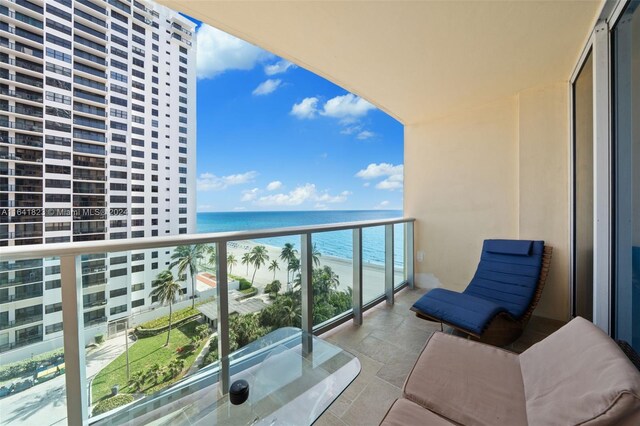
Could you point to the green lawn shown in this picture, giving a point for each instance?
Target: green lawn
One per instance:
(143, 354)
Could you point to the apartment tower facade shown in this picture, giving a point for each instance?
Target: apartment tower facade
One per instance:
(97, 142)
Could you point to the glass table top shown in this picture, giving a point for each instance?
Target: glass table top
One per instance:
(287, 386)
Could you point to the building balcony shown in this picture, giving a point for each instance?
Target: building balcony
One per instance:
(19, 343)
(22, 49)
(90, 20)
(20, 264)
(21, 17)
(28, 5)
(93, 6)
(18, 322)
(22, 110)
(21, 94)
(21, 296)
(31, 141)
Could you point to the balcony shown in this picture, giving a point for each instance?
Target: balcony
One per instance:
(31, 112)
(24, 79)
(22, 94)
(20, 321)
(92, 6)
(19, 47)
(19, 343)
(21, 296)
(381, 289)
(19, 16)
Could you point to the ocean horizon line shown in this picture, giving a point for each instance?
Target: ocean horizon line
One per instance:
(301, 211)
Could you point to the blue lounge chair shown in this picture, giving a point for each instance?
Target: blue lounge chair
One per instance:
(498, 302)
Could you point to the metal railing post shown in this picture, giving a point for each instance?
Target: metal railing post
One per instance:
(410, 253)
(306, 264)
(73, 340)
(222, 299)
(388, 264)
(357, 276)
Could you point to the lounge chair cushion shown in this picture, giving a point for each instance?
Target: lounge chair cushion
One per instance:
(508, 274)
(578, 375)
(458, 309)
(405, 413)
(468, 382)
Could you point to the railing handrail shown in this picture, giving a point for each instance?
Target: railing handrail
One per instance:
(91, 247)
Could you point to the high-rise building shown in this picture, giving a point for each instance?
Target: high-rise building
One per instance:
(97, 142)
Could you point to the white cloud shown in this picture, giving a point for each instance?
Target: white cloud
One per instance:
(366, 184)
(365, 134)
(205, 208)
(239, 209)
(393, 175)
(275, 185)
(374, 170)
(266, 87)
(350, 130)
(250, 194)
(307, 108)
(391, 183)
(347, 107)
(218, 52)
(301, 194)
(211, 182)
(383, 205)
(278, 68)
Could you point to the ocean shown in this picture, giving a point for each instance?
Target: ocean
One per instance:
(338, 243)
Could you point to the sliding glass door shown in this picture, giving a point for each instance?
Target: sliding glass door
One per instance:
(583, 185)
(626, 143)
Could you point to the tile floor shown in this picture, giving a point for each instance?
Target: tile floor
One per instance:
(387, 345)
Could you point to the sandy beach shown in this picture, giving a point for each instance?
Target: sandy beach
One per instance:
(373, 275)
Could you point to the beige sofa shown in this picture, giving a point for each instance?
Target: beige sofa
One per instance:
(576, 376)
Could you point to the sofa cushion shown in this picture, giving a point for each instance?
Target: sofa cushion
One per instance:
(468, 382)
(458, 309)
(405, 413)
(578, 375)
(508, 279)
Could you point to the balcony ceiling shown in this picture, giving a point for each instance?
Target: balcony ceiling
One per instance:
(416, 60)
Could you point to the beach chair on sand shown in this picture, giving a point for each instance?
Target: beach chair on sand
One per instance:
(500, 299)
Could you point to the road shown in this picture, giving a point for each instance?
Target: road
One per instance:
(46, 403)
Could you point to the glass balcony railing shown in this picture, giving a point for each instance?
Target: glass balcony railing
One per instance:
(18, 16)
(20, 321)
(299, 285)
(30, 96)
(32, 112)
(90, 18)
(28, 5)
(36, 53)
(93, 6)
(90, 97)
(89, 83)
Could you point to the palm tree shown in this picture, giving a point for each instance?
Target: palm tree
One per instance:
(231, 262)
(246, 260)
(154, 373)
(258, 258)
(287, 255)
(210, 250)
(274, 266)
(315, 254)
(167, 290)
(137, 380)
(186, 258)
(293, 267)
(175, 367)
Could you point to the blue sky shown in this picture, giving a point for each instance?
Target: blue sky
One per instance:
(274, 136)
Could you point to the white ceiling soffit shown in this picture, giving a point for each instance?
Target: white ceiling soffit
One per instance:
(415, 60)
